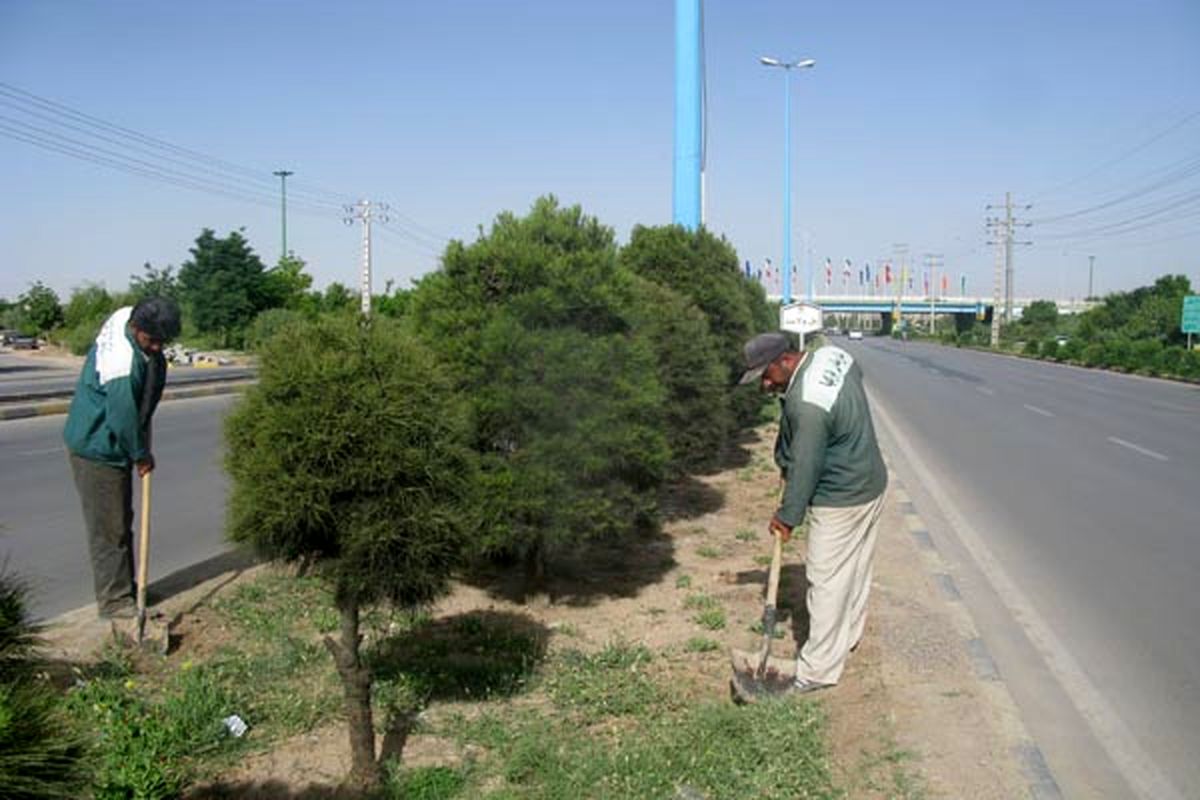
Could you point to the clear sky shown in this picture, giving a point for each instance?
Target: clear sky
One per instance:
(916, 117)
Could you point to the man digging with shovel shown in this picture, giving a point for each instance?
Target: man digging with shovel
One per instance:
(833, 471)
(107, 434)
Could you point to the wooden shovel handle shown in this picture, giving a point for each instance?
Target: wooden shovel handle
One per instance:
(144, 544)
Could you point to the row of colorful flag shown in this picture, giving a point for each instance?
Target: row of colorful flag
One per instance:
(769, 275)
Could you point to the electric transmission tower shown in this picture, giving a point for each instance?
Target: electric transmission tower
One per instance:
(366, 212)
(1002, 228)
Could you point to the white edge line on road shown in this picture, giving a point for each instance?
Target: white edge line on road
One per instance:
(1041, 411)
(1138, 449)
(1143, 775)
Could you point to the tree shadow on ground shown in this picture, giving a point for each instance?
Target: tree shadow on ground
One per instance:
(689, 498)
(591, 571)
(472, 656)
(790, 603)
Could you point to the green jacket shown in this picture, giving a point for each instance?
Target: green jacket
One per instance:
(826, 446)
(118, 390)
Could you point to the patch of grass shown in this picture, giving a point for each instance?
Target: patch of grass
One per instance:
(699, 644)
(745, 535)
(683, 582)
(762, 561)
(708, 551)
(425, 783)
(712, 619)
(149, 747)
(701, 601)
(721, 752)
(613, 682)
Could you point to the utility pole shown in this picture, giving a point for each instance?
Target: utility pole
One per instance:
(933, 261)
(1091, 272)
(366, 212)
(283, 176)
(1005, 228)
(900, 262)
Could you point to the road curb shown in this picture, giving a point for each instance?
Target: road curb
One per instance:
(1039, 779)
(53, 407)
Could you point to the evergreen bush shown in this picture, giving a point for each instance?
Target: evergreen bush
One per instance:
(347, 457)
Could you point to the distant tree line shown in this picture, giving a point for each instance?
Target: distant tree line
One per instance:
(1136, 331)
(229, 297)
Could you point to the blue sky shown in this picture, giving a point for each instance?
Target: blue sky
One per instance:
(916, 117)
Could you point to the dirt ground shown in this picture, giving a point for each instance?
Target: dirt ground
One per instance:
(911, 717)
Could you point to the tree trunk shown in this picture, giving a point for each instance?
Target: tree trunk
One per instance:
(356, 680)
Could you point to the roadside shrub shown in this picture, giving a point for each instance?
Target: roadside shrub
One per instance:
(565, 396)
(1048, 349)
(1094, 355)
(1190, 364)
(1072, 350)
(1170, 361)
(1117, 354)
(1144, 356)
(347, 457)
(704, 268)
(1030, 348)
(268, 323)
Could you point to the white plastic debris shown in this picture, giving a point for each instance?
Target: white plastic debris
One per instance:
(235, 725)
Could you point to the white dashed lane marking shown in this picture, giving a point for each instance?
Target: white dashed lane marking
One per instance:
(1138, 449)
(1041, 411)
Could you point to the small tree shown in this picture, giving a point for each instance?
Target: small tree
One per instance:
(223, 286)
(40, 310)
(346, 457)
(286, 283)
(154, 283)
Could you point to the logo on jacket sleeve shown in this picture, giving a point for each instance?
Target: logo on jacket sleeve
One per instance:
(825, 376)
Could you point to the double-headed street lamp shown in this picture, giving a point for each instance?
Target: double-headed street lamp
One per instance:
(787, 67)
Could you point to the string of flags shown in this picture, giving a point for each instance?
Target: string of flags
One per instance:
(870, 278)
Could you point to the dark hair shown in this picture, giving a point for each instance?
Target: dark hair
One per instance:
(157, 317)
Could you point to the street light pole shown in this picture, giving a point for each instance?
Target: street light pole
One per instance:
(787, 67)
(283, 176)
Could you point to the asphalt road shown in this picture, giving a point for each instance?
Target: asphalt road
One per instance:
(41, 530)
(1068, 503)
(24, 377)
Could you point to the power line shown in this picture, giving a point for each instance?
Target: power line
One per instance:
(1119, 158)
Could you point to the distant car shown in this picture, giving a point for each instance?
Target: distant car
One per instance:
(855, 334)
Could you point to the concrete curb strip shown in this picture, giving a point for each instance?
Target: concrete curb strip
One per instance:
(52, 407)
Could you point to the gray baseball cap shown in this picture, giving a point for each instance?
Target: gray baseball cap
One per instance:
(760, 351)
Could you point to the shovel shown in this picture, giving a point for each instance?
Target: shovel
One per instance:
(757, 674)
(151, 632)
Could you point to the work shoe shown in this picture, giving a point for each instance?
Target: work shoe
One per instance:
(801, 686)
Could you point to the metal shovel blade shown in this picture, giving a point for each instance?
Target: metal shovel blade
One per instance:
(755, 677)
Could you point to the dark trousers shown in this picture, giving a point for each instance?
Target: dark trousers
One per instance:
(106, 494)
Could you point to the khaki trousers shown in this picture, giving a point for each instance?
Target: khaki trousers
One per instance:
(841, 547)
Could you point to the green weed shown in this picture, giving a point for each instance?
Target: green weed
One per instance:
(708, 551)
(613, 682)
(683, 582)
(712, 619)
(699, 644)
(745, 535)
